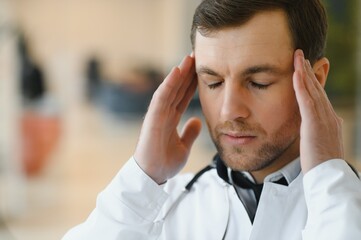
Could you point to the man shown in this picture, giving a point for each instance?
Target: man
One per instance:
(279, 169)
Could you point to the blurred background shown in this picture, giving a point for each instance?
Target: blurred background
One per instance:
(76, 77)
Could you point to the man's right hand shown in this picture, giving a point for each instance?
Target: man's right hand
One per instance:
(161, 152)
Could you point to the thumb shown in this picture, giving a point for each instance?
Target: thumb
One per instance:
(190, 131)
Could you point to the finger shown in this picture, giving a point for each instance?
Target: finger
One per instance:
(184, 92)
(166, 92)
(319, 92)
(302, 95)
(307, 74)
(301, 91)
(187, 75)
(307, 78)
(311, 73)
(317, 87)
(182, 106)
(316, 91)
(185, 65)
(191, 131)
(298, 61)
(312, 103)
(314, 86)
(172, 83)
(305, 101)
(191, 72)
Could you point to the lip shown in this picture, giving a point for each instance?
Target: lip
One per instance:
(238, 138)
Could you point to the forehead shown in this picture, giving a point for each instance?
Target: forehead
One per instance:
(265, 37)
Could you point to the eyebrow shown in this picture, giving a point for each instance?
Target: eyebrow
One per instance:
(207, 71)
(262, 68)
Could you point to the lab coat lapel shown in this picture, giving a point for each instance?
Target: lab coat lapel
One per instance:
(278, 207)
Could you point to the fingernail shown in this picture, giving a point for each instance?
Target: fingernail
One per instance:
(192, 54)
(301, 53)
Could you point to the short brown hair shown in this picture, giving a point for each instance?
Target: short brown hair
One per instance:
(307, 20)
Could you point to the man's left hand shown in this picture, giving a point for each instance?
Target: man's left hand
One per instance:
(321, 131)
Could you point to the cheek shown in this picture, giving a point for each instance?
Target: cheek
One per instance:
(209, 107)
(279, 110)
(204, 103)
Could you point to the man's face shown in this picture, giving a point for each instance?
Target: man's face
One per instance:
(246, 92)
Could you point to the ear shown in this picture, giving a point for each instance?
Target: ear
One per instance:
(321, 68)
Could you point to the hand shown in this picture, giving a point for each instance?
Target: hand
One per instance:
(161, 152)
(321, 131)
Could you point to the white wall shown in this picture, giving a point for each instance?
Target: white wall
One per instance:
(124, 33)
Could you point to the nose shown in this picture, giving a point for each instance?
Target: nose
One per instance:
(235, 103)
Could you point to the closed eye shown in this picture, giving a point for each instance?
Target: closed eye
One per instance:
(259, 86)
(214, 85)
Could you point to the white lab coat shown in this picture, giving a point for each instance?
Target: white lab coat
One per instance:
(325, 204)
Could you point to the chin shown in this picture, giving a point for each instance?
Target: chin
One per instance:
(241, 160)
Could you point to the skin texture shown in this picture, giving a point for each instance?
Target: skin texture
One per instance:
(248, 98)
(263, 103)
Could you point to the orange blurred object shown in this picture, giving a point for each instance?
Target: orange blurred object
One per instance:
(39, 135)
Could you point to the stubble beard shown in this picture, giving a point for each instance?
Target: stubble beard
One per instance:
(241, 158)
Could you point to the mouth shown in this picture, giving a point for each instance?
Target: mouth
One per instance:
(238, 138)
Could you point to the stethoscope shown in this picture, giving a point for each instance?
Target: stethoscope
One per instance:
(188, 187)
(222, 171)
